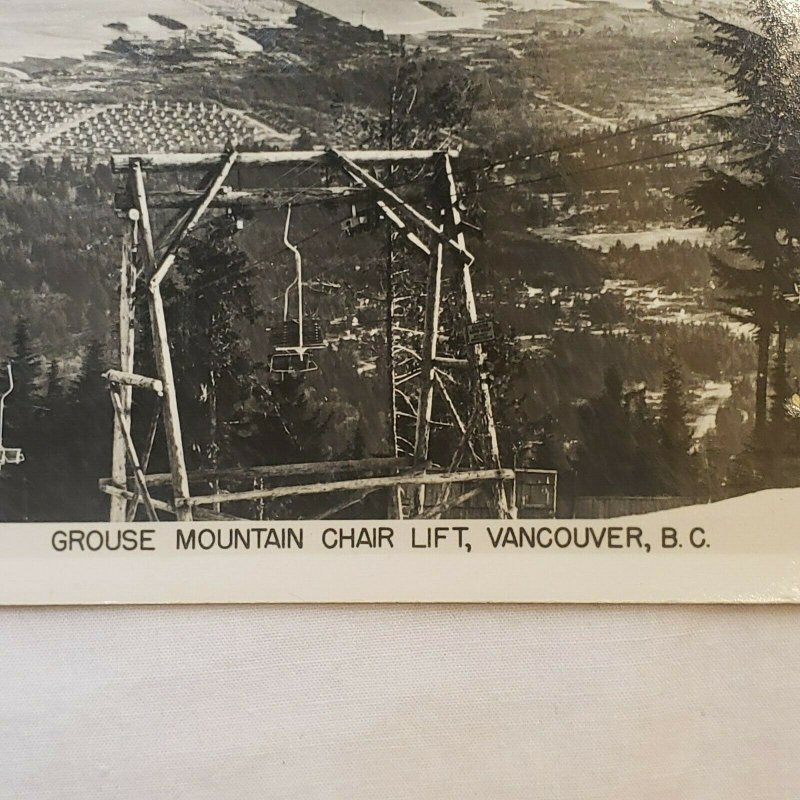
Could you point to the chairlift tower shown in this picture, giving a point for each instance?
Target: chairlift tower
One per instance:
(441, 392)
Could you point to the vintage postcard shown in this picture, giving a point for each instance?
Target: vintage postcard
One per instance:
(467, 300)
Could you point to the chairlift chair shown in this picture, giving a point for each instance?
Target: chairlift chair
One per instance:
(8, 455)
(357, 222)
(296, 337)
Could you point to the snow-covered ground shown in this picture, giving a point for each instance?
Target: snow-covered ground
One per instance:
(706, 403)
(407, 16)
(75, 28)
(54, 28)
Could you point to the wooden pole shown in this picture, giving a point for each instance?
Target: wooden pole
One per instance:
(172, 425)
(477, 352)
(127, 332)
(433, 301)
(367, 467)
(395, 504)
(266, 198)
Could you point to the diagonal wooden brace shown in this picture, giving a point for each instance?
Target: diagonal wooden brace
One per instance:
(133, 458)
(392, 200)
(148, 451)
(211, 191)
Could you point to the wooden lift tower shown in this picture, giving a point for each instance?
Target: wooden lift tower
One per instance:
(436, 370)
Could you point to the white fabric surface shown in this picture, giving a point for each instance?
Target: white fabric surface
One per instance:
(301, 703)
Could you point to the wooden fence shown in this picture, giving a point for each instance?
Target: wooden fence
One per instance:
(607, 507)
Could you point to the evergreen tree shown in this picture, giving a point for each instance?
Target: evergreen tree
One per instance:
(675, 434)
(54, 395)
(605, 452)
(25, 364)
(209, 306)
(646, 475)
(302, 416)
(621, 449)
(30, 174)
(17, 487)
(780, 385)
(104, 179)
(86, 427)
(756, 195)
(427, 97)
(50, 169)
(56, 497)
(66, 169)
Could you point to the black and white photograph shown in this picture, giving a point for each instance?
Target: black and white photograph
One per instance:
(351, 259)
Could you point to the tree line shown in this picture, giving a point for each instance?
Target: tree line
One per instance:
(62, 424)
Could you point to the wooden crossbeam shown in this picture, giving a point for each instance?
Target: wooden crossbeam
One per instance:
(133, 380)
(261, 198)
(471, 476)
(390, 214)
(448, 362)
(168, 162)
(362, 465)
